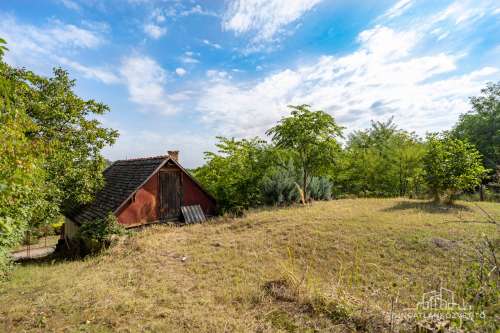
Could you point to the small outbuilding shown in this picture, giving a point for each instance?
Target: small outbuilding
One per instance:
(143, 191)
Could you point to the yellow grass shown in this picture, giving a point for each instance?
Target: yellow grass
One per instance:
(332, 266)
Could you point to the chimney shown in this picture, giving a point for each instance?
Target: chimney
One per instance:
(174, 154)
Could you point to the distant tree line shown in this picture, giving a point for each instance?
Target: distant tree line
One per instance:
(305, 159)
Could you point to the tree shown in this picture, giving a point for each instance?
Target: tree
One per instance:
(22, 177)
(50, 160)
(311, 137)
(233, 174)
(72, 137)
(3, 48)
(481, 126)
(382, 161)
(451, 165)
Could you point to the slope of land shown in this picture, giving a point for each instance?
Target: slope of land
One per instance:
(333, 266)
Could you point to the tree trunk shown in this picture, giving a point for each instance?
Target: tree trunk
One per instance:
(436, 196)
(304, 187)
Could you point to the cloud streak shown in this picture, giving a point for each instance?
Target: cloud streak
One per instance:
(264, 20)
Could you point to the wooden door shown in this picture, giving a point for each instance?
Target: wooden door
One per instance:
(170, 194)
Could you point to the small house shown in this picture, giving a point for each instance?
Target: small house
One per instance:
(143, 191)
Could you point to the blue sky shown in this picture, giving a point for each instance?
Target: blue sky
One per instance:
(178, 73)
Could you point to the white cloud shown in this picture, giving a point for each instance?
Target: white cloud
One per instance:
(42, 47)
(100, 74)
(264, 18)
(466, 11)
(209, 43)
(158, 15)
(197, 10)
(70, 4)
(133, 144)
(154, 31)
(399, 8)
(382, 78)
(180, 71)
(145, 80)
(189, 58)
(216, 75)
(179, 10)
(386, 43)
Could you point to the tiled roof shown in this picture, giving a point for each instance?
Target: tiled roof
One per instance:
(122, 179)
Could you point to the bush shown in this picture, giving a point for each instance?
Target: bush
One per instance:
(56, 227)
(320, 188)
(98, 234)
(279, 187)
(481, 286)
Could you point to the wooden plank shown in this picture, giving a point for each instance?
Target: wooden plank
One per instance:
(170, 194)
(193, 214)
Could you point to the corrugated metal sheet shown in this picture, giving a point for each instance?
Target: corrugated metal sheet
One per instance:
(193, 214)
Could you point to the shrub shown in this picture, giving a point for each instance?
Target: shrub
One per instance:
(98, 234)
(320, 188)
(451, 166)
(279, 187)
(481, 286)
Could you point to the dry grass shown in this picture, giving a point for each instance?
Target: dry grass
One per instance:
(332, 266)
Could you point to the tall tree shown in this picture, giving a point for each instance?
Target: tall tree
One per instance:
(311, 137)
(481, 126)
(451, 165)
(233, 173)
(73, 138)
(382, 161)
(50, 157)
(22, 177)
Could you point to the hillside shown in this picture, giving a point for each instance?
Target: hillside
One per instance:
(334, 266)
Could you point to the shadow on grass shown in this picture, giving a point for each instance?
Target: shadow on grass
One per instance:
(428, 207)
(50, 259)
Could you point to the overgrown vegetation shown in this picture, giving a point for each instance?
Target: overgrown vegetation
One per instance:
(451, 165)
(333, 266)
(381, 161)
(304, 160)
(481, 125)
(481, 286)
(310, 139)
(96, 235)
(50, 157)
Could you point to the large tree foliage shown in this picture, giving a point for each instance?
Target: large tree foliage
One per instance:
(73, 138)
(481, 126)
(311, 138)
(21, 173)
(451, 165)
(233, 174)
(381, 161)
(50, 157)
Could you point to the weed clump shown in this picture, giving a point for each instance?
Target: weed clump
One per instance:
(94, 236)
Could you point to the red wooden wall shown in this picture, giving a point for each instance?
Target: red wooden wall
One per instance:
(145, 208)
(193, 195)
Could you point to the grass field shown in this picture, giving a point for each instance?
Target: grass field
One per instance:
(337, 266)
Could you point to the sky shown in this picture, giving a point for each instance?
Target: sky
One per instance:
(176, 74)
